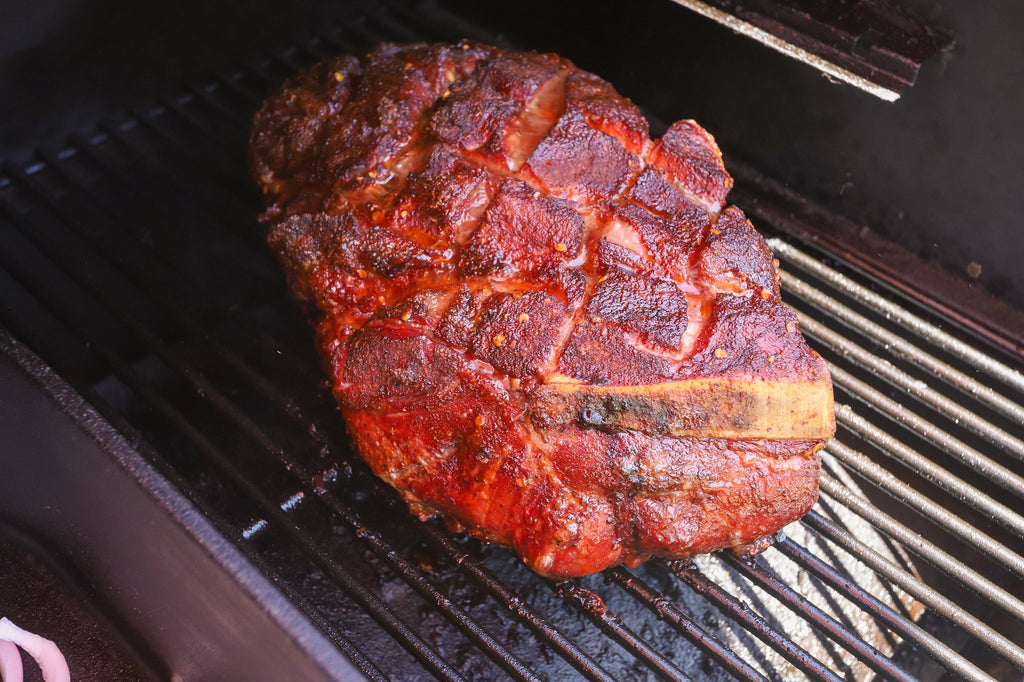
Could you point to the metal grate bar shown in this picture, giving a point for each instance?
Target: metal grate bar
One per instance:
(289, 65)
(260, 72)
(573, 654)
(372, 604)
(234, 191)
(172, 126)
(935, 648)
(920, 464)
(150, 275)
(501, 655)
(796, 602)
(316, 49)
(217, 213)
(910, 540)
(217, 168)
(210, 394)
(560, 642)
(901, 347)
(288, 58)
(890, 409)
(493, 585)
(205, 95)
(911, 322)
(367, 666)
(953, 411)
(141, 271)
(230, 139)
(591, 604)
(918, 589)
(255, 264)
(669, 613)
(941, 516)
(253, 431)
(751, 621)
(490, 582)
(150, 270)
(233, 82)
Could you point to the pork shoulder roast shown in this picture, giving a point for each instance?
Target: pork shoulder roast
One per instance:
(540, 324)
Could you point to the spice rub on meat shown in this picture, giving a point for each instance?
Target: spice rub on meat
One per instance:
(540, 324)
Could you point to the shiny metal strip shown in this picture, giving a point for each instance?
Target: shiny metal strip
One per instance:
(762, 574)
(836, 579)
(919, 389)
(923, 548)
(915, 461)
(790, 50)
(913, 323)
(931, 510)
(922, 427)
(903, 348)
(928, 596)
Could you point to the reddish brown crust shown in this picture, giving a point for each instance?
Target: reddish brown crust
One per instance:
(521, 234)
(472, 224)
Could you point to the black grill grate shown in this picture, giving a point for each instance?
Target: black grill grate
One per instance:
(133, 264)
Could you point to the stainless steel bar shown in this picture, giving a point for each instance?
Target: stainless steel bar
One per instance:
(903, 348)
(938, 514)
(211, 394)
(667, 612)
(753, 622)
(230, 140)
(913, 323)
(896, 412)
(236, 188)
(288, 58)
(593, 607)
(950, 409)
(366, 665)
(225, 212)
(415, 578)
(155, 278)
(233, 82)
(568, 649)
(927, 595)
(913, 541)
(256, 263)
(918, 463)
(368, 601)
(850, 640)
(935, 648)
(205, 93)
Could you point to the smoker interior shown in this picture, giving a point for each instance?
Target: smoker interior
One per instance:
(169, 435)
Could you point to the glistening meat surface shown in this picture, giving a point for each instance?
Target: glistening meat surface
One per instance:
(540, 324)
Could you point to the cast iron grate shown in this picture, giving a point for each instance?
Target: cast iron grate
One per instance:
(132, 263)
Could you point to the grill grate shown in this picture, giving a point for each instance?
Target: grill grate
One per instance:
(132, 263)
